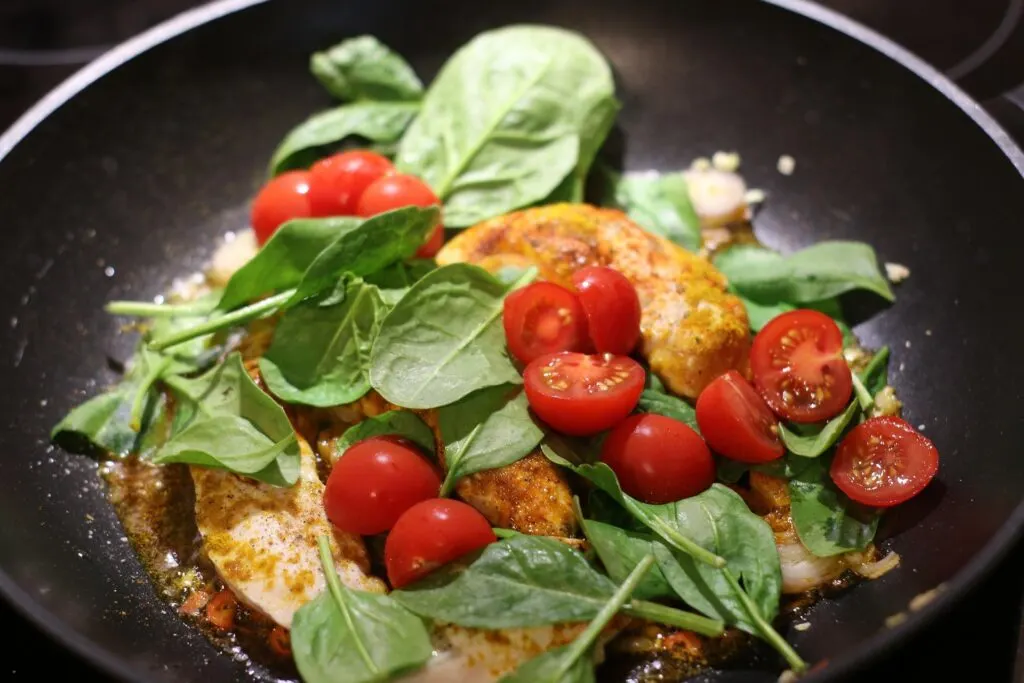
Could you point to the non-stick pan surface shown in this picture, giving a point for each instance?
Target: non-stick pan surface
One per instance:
(125, 176)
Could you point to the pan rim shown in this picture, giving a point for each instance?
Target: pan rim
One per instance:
(880, 643)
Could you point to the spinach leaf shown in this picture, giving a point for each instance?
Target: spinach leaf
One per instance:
(508, 118)
(395, 280)
(620, 550)
(320, 353)
(229, 423)
(355, 636)
(280, 263)
(812, 442)
(363, 68)
(823, 517)
(661, 203)
(443, 340)
(663, 403)
(490, 428)
(103, 422)
(379, 122)
(821, 271)
(394, 422)
(875, 375)
(730, 471)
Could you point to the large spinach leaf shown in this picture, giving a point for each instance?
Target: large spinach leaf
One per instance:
(661, 203)
(490, 428)
(664, 403)
(320, 353)
(815, 440)
(620, 550)
(826, 521)
(104, 422)
(510, 116)
(363, 68)
(392, 423)
(443, 340)
(355, 636)
(395, 280)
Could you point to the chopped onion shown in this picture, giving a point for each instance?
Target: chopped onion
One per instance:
(802, 571)
(873, 570)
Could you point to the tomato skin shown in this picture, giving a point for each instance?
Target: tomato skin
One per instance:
(220, 611)
(396, 190)
(798, 366)
(612, 307)
(433, 244)
(581, 394)
(281, 199)
(337, 182)
(430, 534)
(884, 462)
(374, 482)
(736, 422)
(543, 318)
(658, 459)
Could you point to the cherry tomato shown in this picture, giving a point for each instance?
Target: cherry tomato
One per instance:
(736, 422)
(430, 534)
(280, 641)
(337, 182)
(798, 365)
(543, 318)
(220, 611)
(883, 462)
(612, 307)
(281, 199)
(658, 459)
(374, 482)
(395, 191)
(580, 394)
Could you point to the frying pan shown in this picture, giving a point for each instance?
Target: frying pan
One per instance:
(123, 177)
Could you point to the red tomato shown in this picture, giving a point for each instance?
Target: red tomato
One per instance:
(658, 459)
(883, 462)
(337, 182)
(736, 422)
(798, 365)
(430, 534)
(612, 308)
(581, 395)
(281, 199)
(220, 611)
(395, 191)
(543, 318)
(374, 482)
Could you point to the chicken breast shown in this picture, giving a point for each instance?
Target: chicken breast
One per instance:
(262, 539)
(692, 329)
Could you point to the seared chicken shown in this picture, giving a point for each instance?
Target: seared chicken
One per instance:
(262, 539)
(692, 329)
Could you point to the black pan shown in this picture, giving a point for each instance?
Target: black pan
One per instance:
(122, 178)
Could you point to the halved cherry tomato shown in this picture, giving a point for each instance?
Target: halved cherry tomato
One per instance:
(883, 462)
(580, 394)
(543, 318)
(736, 422)
(658, 459)
(281, 199)
(798, 365)
(430, 534)
(337, 182)
(395, 191)
(220, 611)
(374, 482)
(612, 307)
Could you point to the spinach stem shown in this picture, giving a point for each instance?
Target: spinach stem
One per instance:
(231, 319)
(145, 309)
(767, 631)
(504, 533)
(338, 593)
(686, 545)
(863, 395)
(139, 400)
(670, 616)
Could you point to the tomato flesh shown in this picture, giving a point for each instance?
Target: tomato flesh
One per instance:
(736, 422)
(798, 366)
(281, 199)
(543, 318)
(430, 534)
(396, 190)
(582, 394)
(658, 459)
(337, 182)
(612, 307)
(374, 482)
(883, 462)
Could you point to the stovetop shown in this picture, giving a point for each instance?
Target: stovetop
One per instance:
(978, 43)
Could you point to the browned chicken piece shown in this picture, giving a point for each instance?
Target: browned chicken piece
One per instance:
(692, 329)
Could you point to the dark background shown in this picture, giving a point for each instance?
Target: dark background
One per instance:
(978, 43)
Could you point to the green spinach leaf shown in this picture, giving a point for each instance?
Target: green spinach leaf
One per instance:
(661, 203)
(824, 518)
(103, 422)
(363, 68)
(395, 280)
(379, 122)
(663, 403)
(620, 550)
(510, 116)
(394, 422)
(814, 441)
(355, 636)
(875, 375)
(490, 428)
(320, 353)
(443, 340)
